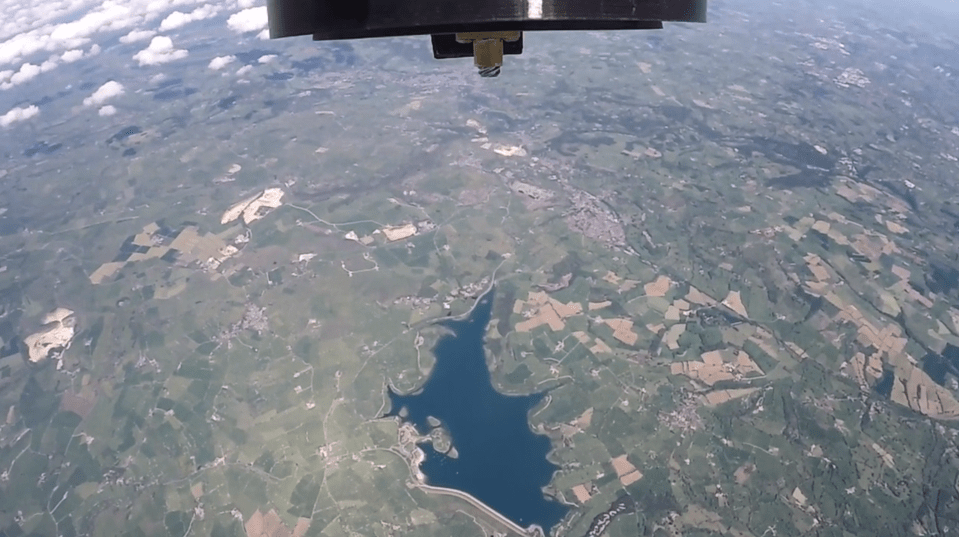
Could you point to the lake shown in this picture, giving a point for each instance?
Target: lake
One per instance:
(501, 461)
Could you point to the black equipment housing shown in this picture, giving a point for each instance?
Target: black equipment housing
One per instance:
(355, 19)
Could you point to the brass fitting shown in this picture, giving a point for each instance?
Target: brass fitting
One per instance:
(487, 49)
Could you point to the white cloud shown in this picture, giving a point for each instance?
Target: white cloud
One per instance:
(160, 51)
(56, 26)
(205, 12)
(107, 91)
(71, 55)
(27, 71)
(267, 58)
(109, 16)
(14, 49)
(263, 35)
(220, 62)
(18, 114)
(248, 20)
(244, 70)
(177, 18)
(108, 110)
(22, 16)
(243, 4)
(137, 35)
(174, 20)
(157, 7)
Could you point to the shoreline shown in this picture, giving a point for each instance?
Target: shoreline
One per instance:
(465, 315)
(416, 456)
(532, 531)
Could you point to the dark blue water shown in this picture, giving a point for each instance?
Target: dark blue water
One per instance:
(884, 386)
(938, 365)
(501, 461)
